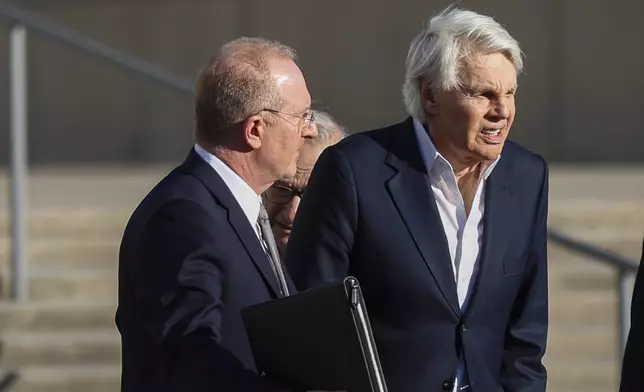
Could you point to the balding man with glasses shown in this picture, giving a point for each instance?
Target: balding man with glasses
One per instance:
(199, 248)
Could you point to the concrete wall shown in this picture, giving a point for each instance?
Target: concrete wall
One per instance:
(580, 99)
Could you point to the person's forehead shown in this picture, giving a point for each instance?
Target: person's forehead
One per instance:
(291, 84)
(493, 70)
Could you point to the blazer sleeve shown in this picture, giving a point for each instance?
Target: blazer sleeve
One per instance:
(632, 379)
(324, 229)
(180, 277)
(527, 331)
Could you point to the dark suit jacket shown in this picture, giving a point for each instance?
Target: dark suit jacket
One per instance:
(369, 212)
(189, 262)
(633, 365)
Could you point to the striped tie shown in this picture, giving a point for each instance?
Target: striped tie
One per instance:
(273, 255)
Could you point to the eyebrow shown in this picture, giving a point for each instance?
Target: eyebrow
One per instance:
(488, 87)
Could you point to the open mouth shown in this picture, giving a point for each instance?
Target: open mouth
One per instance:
(492, 136)
(491, 132)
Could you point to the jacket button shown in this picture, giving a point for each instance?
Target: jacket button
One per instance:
(448, 385)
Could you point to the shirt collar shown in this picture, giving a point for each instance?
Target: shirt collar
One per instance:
(248, 200)
(430, 154)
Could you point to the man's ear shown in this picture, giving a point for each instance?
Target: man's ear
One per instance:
(253, 130)
(428, 99)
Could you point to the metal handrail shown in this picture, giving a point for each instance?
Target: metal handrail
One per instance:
(21, 21)
(7, 377)
(601, 255)
(73, 38)
(7, 380)
(626, 269)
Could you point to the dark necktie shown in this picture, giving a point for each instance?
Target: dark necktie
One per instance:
(273, 255)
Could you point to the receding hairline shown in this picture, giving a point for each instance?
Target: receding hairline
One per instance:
(254, 51)
(236, 82)
(249, 54)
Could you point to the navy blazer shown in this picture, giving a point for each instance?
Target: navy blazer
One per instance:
(369, 212)
(189, 262)
(632, 379)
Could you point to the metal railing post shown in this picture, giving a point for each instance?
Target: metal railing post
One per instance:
(18, 150)
(624, 309)
(626, 269)
(8, 380)
(19, 200)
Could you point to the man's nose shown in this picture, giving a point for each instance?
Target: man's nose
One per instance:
(310, 131)
(291, 209)
(501, 109)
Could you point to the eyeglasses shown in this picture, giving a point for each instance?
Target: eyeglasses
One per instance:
(282, 195)
(307, 118)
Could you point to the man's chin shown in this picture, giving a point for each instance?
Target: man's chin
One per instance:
(282, 240)
(489, 152)
(282, 251)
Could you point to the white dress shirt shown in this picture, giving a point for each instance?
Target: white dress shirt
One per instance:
(246, 197)
(464, 233)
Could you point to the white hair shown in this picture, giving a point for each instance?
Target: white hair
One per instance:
(328, 128)
(439, 51)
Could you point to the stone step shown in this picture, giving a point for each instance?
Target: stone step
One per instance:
(56, 285)
(584, 279)
(594, 308)
(593, 210)
(618, 221)
(595, 376)
(582, 344)
(630, 248)
(69, 378)
(38, 316)
(572, 272)
(61, 347)
(71, 223)
(80, 252)
(69, 253)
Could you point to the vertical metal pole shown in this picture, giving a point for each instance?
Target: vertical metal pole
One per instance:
(624, 310)
(19, 175)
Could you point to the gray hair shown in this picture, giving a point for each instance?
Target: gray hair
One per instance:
(436, 55)
(328, 128)
(235, 84)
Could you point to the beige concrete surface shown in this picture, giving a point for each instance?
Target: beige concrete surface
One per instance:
(115, 187)
(64, 337)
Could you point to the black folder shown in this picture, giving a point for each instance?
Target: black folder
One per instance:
(319, 339)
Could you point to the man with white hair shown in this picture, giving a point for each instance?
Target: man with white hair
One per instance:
(441, 219)
(283, 197)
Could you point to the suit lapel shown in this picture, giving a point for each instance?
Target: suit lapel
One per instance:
(498, 224)
(238, 221)
(411, 193)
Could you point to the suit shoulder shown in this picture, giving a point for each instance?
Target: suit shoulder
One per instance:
(369, 144)
(177, 190)
(523, 159)
(526, 171)
(180, 185)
